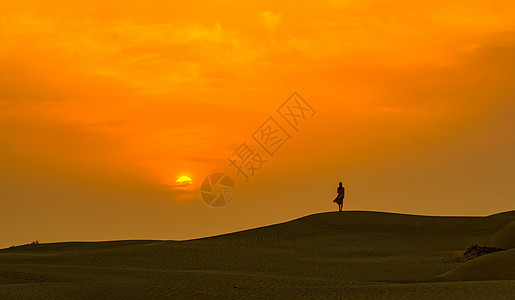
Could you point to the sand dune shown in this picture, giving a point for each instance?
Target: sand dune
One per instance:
(505, 238)
(352, 254)
(495, 266)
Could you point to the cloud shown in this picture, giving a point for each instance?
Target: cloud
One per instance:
(391, 109)
(270, 20)
(170, 93)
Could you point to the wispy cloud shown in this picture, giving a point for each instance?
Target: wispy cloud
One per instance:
(270, 20)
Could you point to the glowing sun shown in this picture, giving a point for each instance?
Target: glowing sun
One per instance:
(184, 180)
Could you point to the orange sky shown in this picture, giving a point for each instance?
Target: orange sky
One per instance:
(103, 106)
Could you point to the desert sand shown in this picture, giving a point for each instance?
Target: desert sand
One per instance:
(351, 255)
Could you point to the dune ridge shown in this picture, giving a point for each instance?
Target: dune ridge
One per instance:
(352, 254)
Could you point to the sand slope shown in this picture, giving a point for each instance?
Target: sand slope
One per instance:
(495, 266)
(352, 254)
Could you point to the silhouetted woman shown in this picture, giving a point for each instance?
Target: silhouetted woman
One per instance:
(339, 199)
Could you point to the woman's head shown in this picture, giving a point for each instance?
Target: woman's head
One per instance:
(340, 184)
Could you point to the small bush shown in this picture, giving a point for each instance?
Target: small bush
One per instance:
(476, 251)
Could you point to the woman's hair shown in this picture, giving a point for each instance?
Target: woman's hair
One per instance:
(340, 184)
